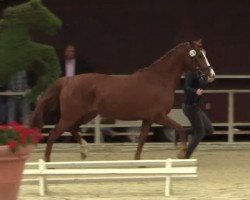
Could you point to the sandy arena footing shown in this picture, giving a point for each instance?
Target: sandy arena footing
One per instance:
(223, 174)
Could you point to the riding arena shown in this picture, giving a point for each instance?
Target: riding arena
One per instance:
(118, 93)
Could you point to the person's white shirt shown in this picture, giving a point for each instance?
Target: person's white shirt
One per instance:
(70, 67)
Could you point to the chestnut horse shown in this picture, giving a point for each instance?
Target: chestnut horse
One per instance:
(147, 95)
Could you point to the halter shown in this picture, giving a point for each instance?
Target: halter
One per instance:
(202, 73)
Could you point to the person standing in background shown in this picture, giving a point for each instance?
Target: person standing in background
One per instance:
(72, 65)
(3, 107)
(17, 105)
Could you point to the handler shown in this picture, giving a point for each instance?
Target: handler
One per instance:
(194, 86)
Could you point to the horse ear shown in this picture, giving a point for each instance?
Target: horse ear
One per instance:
(196, 43)
(37, 1)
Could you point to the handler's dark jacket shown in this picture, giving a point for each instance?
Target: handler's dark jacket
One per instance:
(192, 82)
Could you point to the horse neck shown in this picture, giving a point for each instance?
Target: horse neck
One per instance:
(168, 69)
(17, 33)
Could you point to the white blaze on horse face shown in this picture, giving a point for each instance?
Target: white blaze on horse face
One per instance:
(205, 57)
(211, 76)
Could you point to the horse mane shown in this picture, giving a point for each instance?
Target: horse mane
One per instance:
(167, 54)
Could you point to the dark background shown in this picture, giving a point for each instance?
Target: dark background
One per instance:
(120, 36)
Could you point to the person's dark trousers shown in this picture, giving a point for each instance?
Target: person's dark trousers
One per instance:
(201, 126)
(3, 110)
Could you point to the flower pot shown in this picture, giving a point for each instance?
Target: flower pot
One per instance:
(11, 170)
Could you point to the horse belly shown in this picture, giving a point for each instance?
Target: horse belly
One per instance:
(128, 108)
(128, 99)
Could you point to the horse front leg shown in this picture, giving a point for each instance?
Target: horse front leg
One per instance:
(142, 138)
(167, 121)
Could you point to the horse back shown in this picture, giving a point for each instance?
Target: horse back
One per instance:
(122, 97)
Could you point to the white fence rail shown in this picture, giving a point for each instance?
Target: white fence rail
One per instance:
(96, 171)
(175, 114)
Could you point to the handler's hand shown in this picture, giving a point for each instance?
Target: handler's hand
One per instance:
(199, 91)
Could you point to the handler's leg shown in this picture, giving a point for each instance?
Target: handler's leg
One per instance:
(207, 124)
(195, 117)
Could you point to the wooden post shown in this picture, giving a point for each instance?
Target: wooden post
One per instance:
(168, 165)
(231, 116)
(97, 130)
(42, 179)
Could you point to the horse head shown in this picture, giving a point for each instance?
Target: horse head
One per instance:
(197, 60)
(34, 16)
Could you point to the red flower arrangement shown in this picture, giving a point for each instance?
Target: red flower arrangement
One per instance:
(16, 135)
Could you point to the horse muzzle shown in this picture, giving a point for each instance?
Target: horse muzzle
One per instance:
(211, 75)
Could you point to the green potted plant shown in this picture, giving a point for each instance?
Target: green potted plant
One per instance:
(19, 52)
(16, 143)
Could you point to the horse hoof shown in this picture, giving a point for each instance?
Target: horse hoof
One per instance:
(181, 155)
(137, 157)
(83, 156)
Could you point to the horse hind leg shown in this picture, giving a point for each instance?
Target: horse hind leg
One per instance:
(142, 138)
(53, 136)
(83, 143)
(84, 149)
(59, 129)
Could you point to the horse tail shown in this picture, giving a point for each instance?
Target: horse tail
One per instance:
(49, 102)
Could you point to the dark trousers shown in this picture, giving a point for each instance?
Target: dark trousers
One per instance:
(201, 126)
(3, 110)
